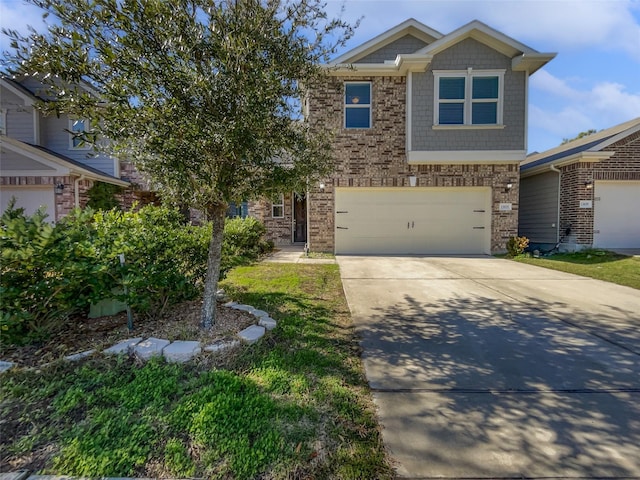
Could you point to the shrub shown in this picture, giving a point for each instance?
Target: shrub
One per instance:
(50, 273)
(243, 243)
(165, 260)
(517, 245)
(102, 196)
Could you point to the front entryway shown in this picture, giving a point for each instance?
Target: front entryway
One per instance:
(299, 218)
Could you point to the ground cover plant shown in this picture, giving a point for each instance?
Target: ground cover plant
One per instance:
(295, 405)
(598, 264)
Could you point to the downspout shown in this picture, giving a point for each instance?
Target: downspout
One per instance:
(76, 187)
(553, 168)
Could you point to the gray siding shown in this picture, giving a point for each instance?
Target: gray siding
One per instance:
(19, 118)
(406, 44)
(54, 136)
(14, 161)
(538, 209)
(465, 54)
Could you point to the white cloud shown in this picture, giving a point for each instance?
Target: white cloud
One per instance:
(564, 110)
(556, 25)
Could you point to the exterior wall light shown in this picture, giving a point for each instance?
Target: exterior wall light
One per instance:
(59, 188)
(413, 180)
(321, 186)
(509, 186)
(588, 184)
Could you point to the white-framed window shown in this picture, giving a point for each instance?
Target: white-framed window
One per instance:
(277, 207)
(3, 121)
(357, 105)
(468, 97)
(76, 128)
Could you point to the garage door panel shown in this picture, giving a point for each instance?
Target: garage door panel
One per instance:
(30, 198)
(413, 221)
(616, 222)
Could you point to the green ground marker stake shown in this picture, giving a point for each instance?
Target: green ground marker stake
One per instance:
(126, 292)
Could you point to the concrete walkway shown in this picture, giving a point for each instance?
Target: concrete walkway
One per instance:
(486, 368)
(294, 254)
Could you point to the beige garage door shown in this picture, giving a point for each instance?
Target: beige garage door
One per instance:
(616, 216)
(413, 220)
(30, 198)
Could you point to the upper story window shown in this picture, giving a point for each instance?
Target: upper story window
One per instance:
(277, 207)
(77, 128)
(471, 97)
(357, 105)
(3, 122)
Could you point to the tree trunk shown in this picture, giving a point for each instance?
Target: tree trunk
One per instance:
(217, 214)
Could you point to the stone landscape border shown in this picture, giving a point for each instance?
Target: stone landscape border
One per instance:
(179, 351)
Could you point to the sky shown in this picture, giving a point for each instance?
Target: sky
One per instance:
(593, 83)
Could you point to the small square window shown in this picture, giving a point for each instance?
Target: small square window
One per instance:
(77, 138)
(277, 208)
(357, 105)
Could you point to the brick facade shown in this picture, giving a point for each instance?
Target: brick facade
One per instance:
(376, 157)
(279, 230)
(623, 165)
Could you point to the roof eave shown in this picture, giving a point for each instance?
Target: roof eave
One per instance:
(531, 62)
(399, 67)
(580, 157)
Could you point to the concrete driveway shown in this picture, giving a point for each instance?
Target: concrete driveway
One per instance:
(486, 368)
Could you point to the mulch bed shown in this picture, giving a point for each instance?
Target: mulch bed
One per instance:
(180, 322)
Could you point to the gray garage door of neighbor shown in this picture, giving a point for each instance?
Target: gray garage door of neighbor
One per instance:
(431, 220)
(616, 222)
(31, 198)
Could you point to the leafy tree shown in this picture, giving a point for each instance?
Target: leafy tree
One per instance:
(204, 95)
(579, 136)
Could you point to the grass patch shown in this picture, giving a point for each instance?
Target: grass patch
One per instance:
(295, 405)
(320, 255)
(598, 264)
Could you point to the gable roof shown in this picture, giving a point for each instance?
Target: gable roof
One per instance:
(523, 58)
(19, 90)
(55, 164)
(586, 149)
(17, 86)
(408, 27)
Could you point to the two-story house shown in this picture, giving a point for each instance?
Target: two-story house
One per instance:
(43, 164)
(429, 131)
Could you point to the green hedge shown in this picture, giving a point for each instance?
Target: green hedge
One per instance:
(49, 273)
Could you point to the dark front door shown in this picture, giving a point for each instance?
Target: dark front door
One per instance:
(299, 217)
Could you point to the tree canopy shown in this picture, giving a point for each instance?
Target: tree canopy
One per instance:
(579, 136)
(205, 96)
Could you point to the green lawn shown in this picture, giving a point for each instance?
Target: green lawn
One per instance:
(295, 405)
(599, 264)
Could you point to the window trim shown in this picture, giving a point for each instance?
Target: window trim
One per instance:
(3, 121)
(358, 105)
(468, 100)
(86, 146)
(275, 205)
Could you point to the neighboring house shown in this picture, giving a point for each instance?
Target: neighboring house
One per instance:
(585, 193)
(429, 132)
(42, 164)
